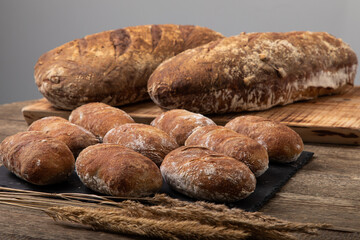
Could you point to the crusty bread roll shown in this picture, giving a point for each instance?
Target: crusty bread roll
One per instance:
(254, 71)
(37, 158)
(99, 118)
(204, 174)
(145, 139)
(112, 66)
(179, 123)
(119, 171)
(282, 143)
(75, 137)
(232, 144)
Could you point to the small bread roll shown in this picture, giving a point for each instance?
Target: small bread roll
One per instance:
(145, 139)
(179, 123)
(37, 158)
(99, 118)
(281, 142)
(75, 137)
(207, 175)
(119, 171)
(232, 144)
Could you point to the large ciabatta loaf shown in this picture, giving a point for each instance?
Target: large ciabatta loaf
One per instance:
(37, 157)
(112, 66)
(179, 123)
(281, 142)
(75, 137)
(228, 142)
(254, 71)
(119, 171)
(145, 139)
(99, 118)
(203, 174)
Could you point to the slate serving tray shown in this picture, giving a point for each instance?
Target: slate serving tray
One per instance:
(267, 185)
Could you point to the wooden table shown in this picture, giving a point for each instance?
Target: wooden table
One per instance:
(326, 190)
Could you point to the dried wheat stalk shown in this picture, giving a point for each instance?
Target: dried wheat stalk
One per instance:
(159, 216)
(113, 220)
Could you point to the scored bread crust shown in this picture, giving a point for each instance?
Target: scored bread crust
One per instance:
(37, 157)
(119, 171)
(281, 142)
(145, 139)
(232, 144)
(99, 118)
(112, 66)
(75, 137)
(203, 174)
(179, 123)
(254, 71)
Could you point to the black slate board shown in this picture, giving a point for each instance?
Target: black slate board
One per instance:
(267, 184)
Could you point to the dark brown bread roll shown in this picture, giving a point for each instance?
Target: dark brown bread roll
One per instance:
(254, 71)
(282, 143)
(204, 174)
(145, 139)
(119, 171)
(75, 137)
(112, 66)
(232, 144)
(99, 118)
(179, 123)
(37, 158)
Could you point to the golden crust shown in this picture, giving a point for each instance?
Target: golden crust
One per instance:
(112, 66)
(37, 158)
(99, 118)
(179, 123)
(232, 144)
(119, 171)
(145, 139)
(254, 71)
(204, 174)
(75, 137)
(282, 143)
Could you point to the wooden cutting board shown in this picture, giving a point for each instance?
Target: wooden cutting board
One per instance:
(332, 119)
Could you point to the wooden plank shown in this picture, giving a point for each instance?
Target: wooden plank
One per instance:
(342, 214)
(334, 159)
(12, 111)
(8, 128)
(326, 185)
(327, 235)
(332, 119)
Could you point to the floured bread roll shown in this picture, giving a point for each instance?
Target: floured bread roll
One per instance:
(179, 123)
(207, 175)
(147, 140)
(119, 171)
(282, 143)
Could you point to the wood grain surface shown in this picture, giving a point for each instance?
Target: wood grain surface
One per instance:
(326, 190)
(332, 119)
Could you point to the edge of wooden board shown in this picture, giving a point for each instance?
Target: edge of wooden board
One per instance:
(144, 112)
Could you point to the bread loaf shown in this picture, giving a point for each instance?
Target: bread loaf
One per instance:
(75, 137)
(254, 71)
(282, 143)
(99, 118)
(119, 171)
(232, 144)
(112, 66)
(145, 139)
(179, 123)
(37, 158)
(204, 174)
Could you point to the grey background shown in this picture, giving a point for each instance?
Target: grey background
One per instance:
(29, 28)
